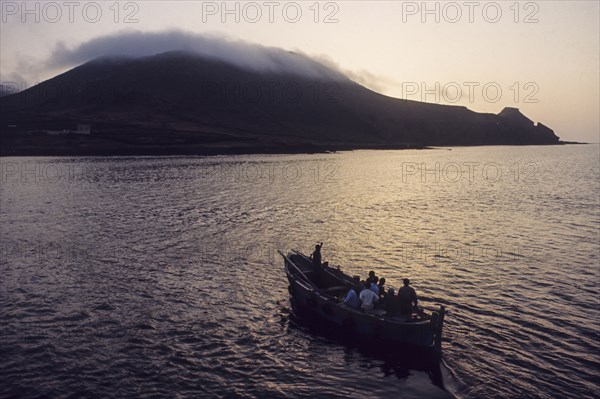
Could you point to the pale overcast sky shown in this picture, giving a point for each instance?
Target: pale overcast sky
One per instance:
(540, 56)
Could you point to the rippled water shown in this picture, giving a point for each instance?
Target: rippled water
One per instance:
(159, 277)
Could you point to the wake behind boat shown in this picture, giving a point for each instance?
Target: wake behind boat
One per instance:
(319, 291)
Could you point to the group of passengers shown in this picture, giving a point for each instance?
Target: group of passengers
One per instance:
(368, 293)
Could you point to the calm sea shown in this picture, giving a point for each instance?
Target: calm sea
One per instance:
(159, 277)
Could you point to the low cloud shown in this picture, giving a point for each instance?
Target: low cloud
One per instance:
(137, 44)
(374, 82)
(25, 73)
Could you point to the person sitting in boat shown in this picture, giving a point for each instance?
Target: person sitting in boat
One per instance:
(352, 299)
(368, 298)
(373, 286)
(316, 256)
(407, 297)
(381, 287)
(372, 277)
(391, 302)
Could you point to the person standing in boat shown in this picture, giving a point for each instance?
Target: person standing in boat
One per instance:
(407, 297)
(368, 298)
(316, 256)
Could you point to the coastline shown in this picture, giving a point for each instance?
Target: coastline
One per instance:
(42, 146)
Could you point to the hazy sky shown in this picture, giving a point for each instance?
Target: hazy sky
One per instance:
(542, 56)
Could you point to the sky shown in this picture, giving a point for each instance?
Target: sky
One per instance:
(539, 56)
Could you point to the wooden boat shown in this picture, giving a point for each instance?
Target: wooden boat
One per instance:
(320, 293)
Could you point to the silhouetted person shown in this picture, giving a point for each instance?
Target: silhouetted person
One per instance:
(381, 287)
(407, 297)
(372, 277)
(391, 302)
(316, 256)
